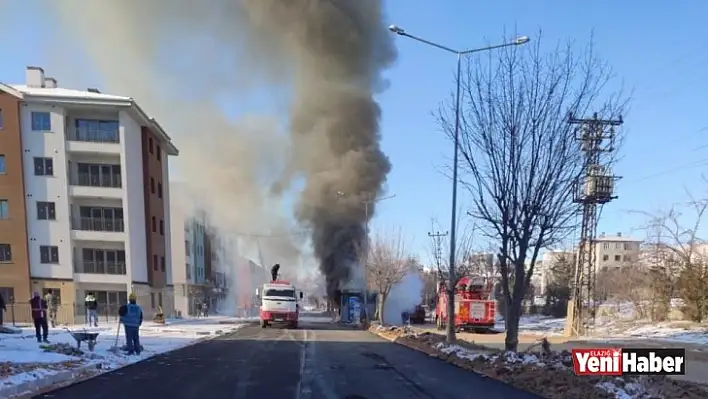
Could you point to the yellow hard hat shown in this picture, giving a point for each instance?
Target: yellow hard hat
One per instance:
(132, 297)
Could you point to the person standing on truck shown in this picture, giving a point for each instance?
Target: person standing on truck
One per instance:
(274, 271)
(131, 315)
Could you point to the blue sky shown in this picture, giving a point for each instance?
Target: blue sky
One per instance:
(657, 48)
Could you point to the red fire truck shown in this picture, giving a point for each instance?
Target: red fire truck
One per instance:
(474, 308)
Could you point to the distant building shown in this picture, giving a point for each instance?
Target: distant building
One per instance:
(616, 251)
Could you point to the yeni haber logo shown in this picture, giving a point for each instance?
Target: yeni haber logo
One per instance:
(629, 361)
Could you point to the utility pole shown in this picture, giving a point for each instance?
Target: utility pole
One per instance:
(437, 240)
(437, 237)
(595, 187)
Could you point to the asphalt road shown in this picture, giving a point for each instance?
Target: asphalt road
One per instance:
(318, 361)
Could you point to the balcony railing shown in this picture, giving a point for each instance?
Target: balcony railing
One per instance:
(93, 136)
(93, 180)
(98, 224)
(100, 267)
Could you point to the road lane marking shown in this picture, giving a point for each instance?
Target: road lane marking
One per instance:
(304, 385)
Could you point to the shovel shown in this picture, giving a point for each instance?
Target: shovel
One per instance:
(115, 348)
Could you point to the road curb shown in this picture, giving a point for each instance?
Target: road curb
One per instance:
(67, 378)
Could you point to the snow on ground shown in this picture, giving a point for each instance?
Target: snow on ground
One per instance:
(23, 360)
(617, 322)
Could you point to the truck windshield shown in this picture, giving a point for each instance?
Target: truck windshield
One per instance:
(284, 292)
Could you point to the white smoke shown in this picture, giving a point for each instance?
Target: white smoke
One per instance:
(404, 296)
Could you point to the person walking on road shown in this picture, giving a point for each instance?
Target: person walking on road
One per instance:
(39, 315)
(131, 315)
(91, 310)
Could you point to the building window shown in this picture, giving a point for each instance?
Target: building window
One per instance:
(154, 262)
(97, 131)
(99, 175)
(100, 219)
(162, 263)
(4, 209)
(159, 154)
(618, 245)
(618, 258)
(46, 211)
(43, 167)
(41, 122)
(150, 145)
(5, 253)
(186, 247)
(159, 299)
(627, 258)
(162, 227)
(189, 271)
(8, 294)
(627, 246)
(152, 300)
(159, 190)
(48, 254)
(605, 257)
(606, 245)
(2, 164)
(152, 185)
(154, 224)
(102, 261)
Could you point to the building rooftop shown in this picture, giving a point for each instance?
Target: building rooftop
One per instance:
(59, 93)
(616, 238)
(88, 96)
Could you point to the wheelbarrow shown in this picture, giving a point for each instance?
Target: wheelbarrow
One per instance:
(83, 336)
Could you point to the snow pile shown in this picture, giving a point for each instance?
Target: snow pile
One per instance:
(25, 364)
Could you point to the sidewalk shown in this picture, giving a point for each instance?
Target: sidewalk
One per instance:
(28, 367)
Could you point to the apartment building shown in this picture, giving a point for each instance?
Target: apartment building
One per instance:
(84, 199)
(616, 251)
(189, 243)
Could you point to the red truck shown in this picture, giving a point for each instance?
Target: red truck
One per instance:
(474, 308)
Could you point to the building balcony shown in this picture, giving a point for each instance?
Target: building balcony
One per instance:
(93, 141)
(95, 186)
(98, 229)
(100, 267)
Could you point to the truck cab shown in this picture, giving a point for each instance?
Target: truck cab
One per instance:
(279, 304)
(474, 308)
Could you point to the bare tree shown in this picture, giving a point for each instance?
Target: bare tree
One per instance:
(465, 266)
(680, 262)
(519, 157)
(387, 264)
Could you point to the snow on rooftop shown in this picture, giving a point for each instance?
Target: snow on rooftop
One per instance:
(67, 93)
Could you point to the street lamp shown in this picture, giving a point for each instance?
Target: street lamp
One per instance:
(367, 202)
(459, 53)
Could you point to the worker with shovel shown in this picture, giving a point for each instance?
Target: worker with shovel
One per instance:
(131, 315)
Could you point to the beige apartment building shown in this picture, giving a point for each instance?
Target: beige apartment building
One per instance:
(84, 199)
(616, 251)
